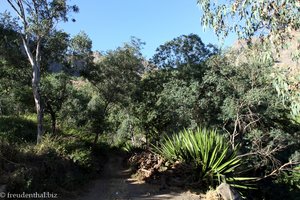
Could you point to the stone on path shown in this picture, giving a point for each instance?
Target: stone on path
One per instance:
(227, 192)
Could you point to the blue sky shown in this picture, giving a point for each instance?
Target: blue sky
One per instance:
(110, 23)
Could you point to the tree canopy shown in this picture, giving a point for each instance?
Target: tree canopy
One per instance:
(185, 50)
(272, 19)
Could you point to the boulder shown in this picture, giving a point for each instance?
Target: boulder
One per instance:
(227, 192)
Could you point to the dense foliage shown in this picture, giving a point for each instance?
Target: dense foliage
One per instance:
(122, 99)
(276, 19)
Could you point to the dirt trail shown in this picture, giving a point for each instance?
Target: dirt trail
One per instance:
(116, 184)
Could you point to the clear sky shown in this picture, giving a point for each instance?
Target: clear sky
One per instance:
(110, 23)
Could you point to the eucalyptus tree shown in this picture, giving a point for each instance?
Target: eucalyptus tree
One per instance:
(37, 18)
(276, 23)
(274, 19)
(239, 98)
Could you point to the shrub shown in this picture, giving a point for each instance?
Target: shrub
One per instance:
(17, 129)
(58, 164)
(206, 151)
(286, 185)
(82, 157)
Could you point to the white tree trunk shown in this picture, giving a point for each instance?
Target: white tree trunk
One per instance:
(37, 101)
(36, 77)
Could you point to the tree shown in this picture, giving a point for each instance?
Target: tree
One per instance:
(54, 51)
(165, 103)
(14, 70)
(115, 79)
(185, 50)
(167, 95)
(274, 22)
(274, 19)
(54, 89)
(152, 84)
(37, 19)
(185, 54)
(237, 96)
(75, 111)
(80, 50)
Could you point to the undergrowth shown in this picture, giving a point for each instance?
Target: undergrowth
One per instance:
(60, 163)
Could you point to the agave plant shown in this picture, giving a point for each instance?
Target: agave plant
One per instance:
(205, 150)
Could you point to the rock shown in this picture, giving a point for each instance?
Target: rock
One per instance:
(227, 192)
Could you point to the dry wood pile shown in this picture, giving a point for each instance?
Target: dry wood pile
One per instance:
(152, 168)
(146, 164)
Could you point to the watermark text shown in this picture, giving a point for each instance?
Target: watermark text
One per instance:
(35, 195)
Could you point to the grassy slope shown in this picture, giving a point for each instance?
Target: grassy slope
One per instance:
(60, 163)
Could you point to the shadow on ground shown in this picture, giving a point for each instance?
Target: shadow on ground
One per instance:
(116, 184)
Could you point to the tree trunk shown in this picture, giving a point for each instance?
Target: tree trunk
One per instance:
(103, 116)
(53, 120)
(36, 77)
(147, 140)
(37, 101)
(96, 138)
(131, 134)
(48, 108)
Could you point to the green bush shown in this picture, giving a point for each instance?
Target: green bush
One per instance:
(70, 148)
(18, 129)
(291, 178)
(57, 164)
(82, 157)
(206, 151)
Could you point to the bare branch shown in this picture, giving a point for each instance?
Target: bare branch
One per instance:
(281, 168)
(249, 124)
(15, 9)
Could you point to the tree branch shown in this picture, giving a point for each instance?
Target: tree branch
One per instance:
(28, 52)
(281, 168)
(15, 9)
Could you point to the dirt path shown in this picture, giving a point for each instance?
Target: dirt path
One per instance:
(116, 184)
